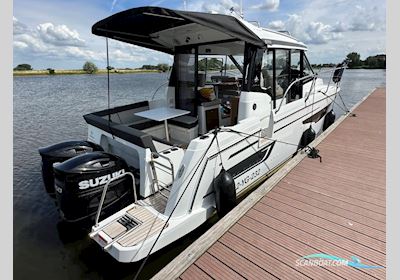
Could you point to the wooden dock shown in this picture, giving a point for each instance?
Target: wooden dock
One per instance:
(336, 207)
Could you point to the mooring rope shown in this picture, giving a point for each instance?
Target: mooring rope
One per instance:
(219, 149)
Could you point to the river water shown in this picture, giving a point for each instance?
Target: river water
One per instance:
(49, 109)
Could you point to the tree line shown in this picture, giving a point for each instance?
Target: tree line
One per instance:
(371, 62)
(354, 62)
(91, 68)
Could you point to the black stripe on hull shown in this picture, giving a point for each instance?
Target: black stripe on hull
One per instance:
(317, 116)
(314, 118)
(251, 161)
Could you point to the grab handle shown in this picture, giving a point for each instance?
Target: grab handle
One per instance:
(103, 196)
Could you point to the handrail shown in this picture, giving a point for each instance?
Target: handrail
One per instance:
(314, 77)
(169, 160)
(103, 196)
(290, 86)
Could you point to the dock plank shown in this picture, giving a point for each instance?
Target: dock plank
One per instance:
(216, 268)
(336, 207)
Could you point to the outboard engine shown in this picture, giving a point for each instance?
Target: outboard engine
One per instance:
(80, 181)
(59, 153)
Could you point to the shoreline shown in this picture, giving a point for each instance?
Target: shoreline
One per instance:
(81, 72)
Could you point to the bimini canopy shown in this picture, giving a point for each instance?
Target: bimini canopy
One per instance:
(164, 29)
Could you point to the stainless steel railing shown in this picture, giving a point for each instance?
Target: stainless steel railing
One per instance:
(103, 195)
(313, 77)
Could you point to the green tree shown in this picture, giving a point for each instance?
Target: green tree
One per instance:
(89, 67)
(355, 60)
(163, 67)
(23, 67)
(212, 64)
(149, 67)
(376, 62)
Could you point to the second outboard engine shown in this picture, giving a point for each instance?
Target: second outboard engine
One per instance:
(80, 181)
(61, 152)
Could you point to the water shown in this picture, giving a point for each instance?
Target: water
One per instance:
(49, 109)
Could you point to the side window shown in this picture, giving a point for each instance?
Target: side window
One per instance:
(296, 91)
(294, 65)
(307, 69)
(282, 71)
(267, 71)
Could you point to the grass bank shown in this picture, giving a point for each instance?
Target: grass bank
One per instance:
(80, 72)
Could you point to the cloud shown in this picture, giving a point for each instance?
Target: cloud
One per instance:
(59, 42)
(49, 40)
(269, 5)
(18, 27)
(219, 6)
(276, 25)
(340, 27)
(320, 33)
(114, 2)
(365, 20)
(120, 52)
(76, 52)
(313, 32)
(59, 35)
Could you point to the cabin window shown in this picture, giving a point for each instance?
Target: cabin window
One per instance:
(282, 72)
(295, 64)
(185, 70)
(276, 69)
(267, 71)
(295, 73)
(307, 69)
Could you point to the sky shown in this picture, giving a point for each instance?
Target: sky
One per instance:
(57, 33)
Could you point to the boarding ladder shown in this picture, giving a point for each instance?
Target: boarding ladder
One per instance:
(156, 182)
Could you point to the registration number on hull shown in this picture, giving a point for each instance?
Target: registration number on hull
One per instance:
(241, 183)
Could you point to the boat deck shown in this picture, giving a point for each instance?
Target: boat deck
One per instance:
(146, 225)
(336, 207)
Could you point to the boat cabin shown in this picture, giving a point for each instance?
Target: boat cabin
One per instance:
(218, 59)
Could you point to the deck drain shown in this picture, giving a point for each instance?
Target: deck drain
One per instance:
(128, 222)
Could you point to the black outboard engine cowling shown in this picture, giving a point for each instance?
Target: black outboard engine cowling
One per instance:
(61, 152)
(80, 181)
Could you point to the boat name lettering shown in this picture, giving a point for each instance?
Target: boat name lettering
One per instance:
(91, 183)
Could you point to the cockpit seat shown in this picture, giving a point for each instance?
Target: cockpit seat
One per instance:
(183, 128)
(184, 121)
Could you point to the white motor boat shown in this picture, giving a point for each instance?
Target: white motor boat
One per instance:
(241, 100)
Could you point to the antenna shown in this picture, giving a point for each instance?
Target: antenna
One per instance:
(240, 13)
(108, 82)
(108, 90)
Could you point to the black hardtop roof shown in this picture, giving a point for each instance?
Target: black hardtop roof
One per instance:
(135, 25)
